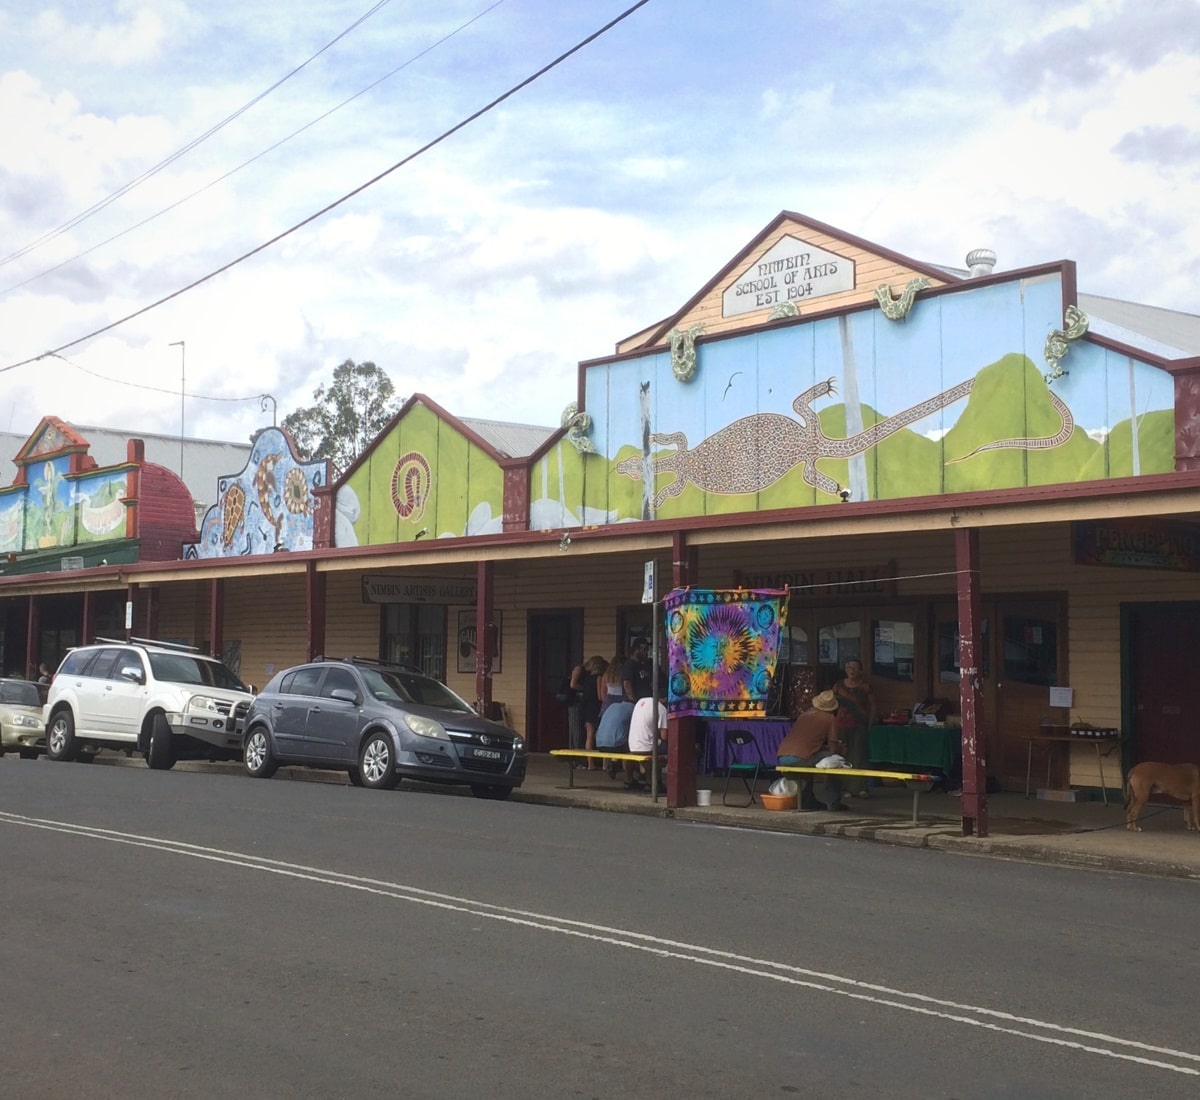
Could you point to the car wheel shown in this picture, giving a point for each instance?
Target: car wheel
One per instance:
(60, 737)
(161, 754)
(355, 778)
(28, 754)
(376, 766)
(496, 791)
(260, 762)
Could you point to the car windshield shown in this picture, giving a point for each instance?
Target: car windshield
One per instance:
(183, 668)
(19, 692)
(393, 686)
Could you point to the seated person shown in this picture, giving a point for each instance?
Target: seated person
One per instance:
(643, 730)
(613, 730)
(813, 737)
(642, 727)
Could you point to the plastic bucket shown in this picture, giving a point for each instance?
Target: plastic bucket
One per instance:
(704, 798)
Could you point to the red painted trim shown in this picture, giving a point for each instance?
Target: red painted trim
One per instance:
(516, 495)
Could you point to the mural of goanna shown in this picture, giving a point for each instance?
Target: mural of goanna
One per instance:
(753, 453)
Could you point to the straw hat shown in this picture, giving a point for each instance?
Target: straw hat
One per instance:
(826, 701)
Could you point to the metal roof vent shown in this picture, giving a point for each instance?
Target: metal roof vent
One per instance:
(981, 261)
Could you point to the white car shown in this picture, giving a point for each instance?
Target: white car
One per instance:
(162, 700)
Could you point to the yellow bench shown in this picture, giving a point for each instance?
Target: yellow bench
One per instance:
(576, 757)
(914, 781)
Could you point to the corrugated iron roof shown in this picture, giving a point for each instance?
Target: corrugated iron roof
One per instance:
(511, 440)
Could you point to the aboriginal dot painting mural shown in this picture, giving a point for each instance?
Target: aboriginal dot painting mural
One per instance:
(977, 387)
(426, 476)
(267, 507)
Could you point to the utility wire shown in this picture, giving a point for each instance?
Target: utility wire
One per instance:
(346, 197)
(258, 156)
(96, 207)
(152, 389)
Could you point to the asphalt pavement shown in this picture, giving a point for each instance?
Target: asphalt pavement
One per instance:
(1077, 834)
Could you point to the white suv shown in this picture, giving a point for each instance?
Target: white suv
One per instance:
(163, 700)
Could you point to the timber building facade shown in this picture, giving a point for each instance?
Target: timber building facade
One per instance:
(982, 484)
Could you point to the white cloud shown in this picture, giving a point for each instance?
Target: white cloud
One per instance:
(585, 208)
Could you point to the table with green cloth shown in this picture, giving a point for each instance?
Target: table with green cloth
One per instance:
(917, 747)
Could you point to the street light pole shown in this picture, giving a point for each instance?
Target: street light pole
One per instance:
(182, 396)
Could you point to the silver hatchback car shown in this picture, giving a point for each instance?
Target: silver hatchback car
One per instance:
(380, 723)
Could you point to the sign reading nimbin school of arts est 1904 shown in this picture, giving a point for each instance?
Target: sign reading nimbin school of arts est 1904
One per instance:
(789, 271)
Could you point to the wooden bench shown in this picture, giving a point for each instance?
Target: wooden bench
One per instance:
(914, 781)
(577, 757)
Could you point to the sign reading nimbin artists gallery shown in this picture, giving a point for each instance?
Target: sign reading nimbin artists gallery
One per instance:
(789, 271)
(447, 590)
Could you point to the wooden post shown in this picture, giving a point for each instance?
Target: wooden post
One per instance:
(314, 611)
(485, 635)
(681, 732)
(216, 617)
(974, 764)
(32, 656)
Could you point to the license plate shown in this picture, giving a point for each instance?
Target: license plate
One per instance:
(487, 754)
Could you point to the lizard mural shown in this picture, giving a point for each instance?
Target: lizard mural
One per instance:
(755, 452)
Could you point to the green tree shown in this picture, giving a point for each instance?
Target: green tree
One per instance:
(348, 414)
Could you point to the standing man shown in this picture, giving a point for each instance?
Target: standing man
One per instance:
(635, 673)
(813, 737)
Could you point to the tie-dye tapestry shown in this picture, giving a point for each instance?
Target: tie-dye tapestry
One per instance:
(722, 645)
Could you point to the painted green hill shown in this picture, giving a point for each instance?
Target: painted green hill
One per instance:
(1010, 401)
(1156, 448)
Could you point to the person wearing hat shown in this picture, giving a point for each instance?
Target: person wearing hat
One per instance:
(813, 737)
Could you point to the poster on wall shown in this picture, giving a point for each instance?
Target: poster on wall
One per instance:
(467, 642)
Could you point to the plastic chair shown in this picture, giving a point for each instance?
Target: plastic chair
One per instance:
(747, 771)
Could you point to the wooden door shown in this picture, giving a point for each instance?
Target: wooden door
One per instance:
(1028, 657)
(1162, 641)
(555, 647)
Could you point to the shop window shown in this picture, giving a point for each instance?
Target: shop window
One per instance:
(1030, 650)
(949, 652)
(415, 634)
(793, 646)
(836, 645)
(892, 651)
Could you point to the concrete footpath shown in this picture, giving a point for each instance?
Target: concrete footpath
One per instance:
(1073, 834)
(1078, 834)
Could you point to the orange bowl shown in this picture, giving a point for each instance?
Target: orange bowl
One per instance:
(778, 801)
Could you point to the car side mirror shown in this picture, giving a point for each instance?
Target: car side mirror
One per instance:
(344, 694)
(134, 674)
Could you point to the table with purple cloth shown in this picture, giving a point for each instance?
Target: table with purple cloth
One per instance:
(715, 752)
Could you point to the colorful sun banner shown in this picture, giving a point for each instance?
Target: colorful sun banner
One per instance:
(722, 646)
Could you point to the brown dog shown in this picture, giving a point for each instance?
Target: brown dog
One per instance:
(1180, 781)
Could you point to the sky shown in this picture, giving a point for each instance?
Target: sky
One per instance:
(588, 205)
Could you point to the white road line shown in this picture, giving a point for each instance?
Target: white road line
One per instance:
(1128, 1050)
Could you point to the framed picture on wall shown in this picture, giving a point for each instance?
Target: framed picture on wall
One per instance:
(465, 647)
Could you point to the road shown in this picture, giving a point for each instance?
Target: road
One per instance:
(189, 934)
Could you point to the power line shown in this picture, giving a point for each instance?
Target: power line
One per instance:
(346, 197)
(246, 163)
(96, 207)
(143, 386)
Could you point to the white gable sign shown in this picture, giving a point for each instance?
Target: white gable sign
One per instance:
(790, 271)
